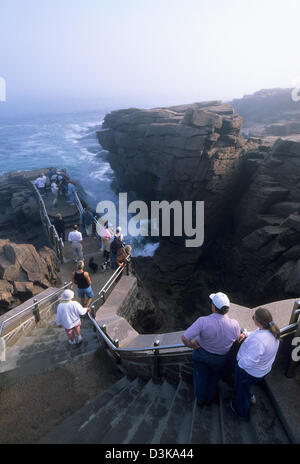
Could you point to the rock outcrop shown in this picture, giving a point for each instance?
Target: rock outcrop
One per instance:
(266, 232)
(24, 272)
(270, 112)
(186, 153)
(19, 210)
(251, 191)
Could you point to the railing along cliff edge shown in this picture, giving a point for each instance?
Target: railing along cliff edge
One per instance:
(176, 349)
(55, 240)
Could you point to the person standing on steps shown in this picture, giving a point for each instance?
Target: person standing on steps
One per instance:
(87, 219)
(75, 237)
(40, 182)
(71, 189)
(83, 281)
(211, 338)
(105, 238)
(254, 360)
(54, 190)
(60, 226)
(68, 316)
(116, 244)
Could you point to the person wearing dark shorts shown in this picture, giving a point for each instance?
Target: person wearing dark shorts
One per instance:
(83, 281)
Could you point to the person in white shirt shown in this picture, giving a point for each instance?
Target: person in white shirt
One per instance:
(54, 190)
(75, 237)
(68, 316)
(254, 360)
(40, 182)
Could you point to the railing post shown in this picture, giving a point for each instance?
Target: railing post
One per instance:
(61, 253)
(290, 370)
(51, 232)
(116, 343)
(155, 367)
(36, 312)
(291, 365)
(295, 315)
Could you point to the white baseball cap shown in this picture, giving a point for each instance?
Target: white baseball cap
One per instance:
(219, 300)
(67, 295)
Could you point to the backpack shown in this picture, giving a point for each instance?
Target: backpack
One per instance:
(116, 244)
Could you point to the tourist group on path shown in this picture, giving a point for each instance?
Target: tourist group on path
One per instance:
(115, 252)
(58, 183)
(211, 338)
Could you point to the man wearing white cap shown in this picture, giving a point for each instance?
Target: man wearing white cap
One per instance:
(211, 338)
(68, 316)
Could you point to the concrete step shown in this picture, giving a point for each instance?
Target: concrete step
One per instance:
(264, 420)
(64, 433)
(124, 426)
(205, 427)
(154, 419)
(178, 424)
(233, 429)
(119, 406)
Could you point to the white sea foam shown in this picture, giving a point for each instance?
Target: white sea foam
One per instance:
(145, 250)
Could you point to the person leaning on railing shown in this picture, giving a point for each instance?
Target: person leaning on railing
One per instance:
(211, 338)
(123, 254)
(254, 360)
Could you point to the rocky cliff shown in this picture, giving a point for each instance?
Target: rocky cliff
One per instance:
(263, 252)
(24, 272)
(188, 152)
(19, 210)
(270, 112)
(251, 191)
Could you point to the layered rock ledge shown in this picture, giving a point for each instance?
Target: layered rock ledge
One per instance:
(24, 272)
(251, 194)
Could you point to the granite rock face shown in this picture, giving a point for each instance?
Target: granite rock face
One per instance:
(270, 112)
(186, 153)
(24, 272)
(251, 191)
(19, 210)
(266, 233)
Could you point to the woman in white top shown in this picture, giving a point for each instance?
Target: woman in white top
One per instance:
(68, 316)
(254, 359)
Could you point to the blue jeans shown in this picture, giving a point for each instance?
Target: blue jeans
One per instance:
(207, 371)
(113, 260)
(243, 390)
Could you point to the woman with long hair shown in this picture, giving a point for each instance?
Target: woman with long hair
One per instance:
(254, 360)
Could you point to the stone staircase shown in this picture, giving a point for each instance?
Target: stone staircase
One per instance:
(130, 410)
(136, 411)
(45, 347)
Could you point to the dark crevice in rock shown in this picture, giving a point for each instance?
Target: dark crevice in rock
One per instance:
(251, 191)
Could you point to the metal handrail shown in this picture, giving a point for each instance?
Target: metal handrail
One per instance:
(134, 350)
(33, 306)
(49, 224)
(283, 331)
(80, 208)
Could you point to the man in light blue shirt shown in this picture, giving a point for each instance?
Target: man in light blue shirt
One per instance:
(211, 338)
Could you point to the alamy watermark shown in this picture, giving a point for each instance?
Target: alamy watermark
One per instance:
(296, 351)
(296, 90)
(162, 218)
(2, 89)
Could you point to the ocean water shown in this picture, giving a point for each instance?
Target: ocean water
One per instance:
(64, 141)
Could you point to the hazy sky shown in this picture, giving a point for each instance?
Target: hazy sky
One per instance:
(81, 54)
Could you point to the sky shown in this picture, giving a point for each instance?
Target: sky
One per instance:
(71, 55)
